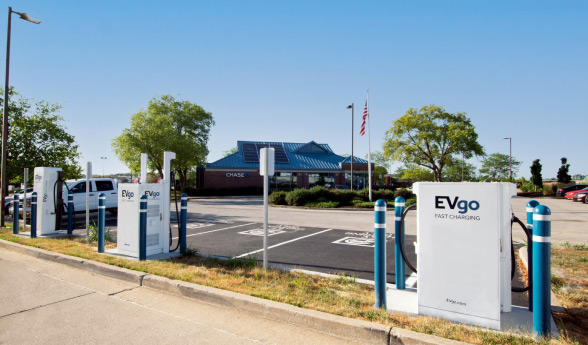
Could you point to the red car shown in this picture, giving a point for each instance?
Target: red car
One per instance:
(570, 195)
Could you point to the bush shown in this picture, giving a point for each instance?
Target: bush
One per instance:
(385, 194)
(318, 192)
(343, 196)
(278, 198)
(298, 197)
(323, 204)
(191, 191)
(405, 193)
(550, 188)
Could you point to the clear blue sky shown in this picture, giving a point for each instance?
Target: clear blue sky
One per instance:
(286, 70)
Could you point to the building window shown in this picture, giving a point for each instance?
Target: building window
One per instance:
(322, 179)
(283, 181)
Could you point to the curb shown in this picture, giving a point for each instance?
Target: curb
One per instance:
(334, 325)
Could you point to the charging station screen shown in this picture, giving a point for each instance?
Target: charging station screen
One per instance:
(459, 251)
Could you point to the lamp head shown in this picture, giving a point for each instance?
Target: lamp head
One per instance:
(26, 17)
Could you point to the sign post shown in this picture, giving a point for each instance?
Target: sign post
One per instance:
(266, 169)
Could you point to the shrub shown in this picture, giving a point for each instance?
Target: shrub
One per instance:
(403, 192)
(323, 204)
(298, 197)
(385, 194)
(343, 196)
(550, 188)
(278, 198)
(318, 192)
(191, 191)
(363, 204)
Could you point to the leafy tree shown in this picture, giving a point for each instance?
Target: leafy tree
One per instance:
(457, 171)
(562, 174)
(414, 172)
(230, 151)
(167, 125)
(430, 137)
(497, 167)
(536, 178)
(380, 163)
(36, 138)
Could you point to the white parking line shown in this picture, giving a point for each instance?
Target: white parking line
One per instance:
(279, 244)
(411, 281)
(207, 232)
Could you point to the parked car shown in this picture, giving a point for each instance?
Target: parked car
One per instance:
(8, 200)
(570, 195)
(78, 190)
(561, 192)
(581, 197)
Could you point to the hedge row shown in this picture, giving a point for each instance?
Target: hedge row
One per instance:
(322, 197)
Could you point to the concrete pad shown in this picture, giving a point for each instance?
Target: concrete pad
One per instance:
(520, 321)
(403, 301)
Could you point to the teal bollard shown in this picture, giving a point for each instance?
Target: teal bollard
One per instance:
(34, 215)
(380, 253)
(101, 221)
(530, 207)
(183, 220)
(143, 228)
(70, 214)
(398, 241)
(15, 211)
(542, 271)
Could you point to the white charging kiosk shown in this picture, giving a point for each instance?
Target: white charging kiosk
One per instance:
(464, 255)
(158, 209)
(44, 184)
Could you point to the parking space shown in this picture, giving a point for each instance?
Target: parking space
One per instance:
(323, 250)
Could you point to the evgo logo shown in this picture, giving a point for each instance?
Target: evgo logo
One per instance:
(462, 205)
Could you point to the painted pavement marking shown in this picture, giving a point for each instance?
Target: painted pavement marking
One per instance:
(281, 244)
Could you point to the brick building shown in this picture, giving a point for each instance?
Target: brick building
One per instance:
(298, 165)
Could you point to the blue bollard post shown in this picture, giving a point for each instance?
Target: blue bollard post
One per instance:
(542, 271)
(530, 207)
(183, 220)
(380, 253)
(398, 240)
(70, 213)
(15, 210)
(34, 215)
(143, 228)
(101, 221)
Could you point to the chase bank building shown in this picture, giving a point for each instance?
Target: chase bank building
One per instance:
(298, 165)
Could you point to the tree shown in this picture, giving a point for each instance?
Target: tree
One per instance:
(230, 151)
(167, 125)
(379, 161)
(496, 167)
(430, 137)
(414, 172)
(562, 174)
(536, 178)
(36, 138)
(458, 171)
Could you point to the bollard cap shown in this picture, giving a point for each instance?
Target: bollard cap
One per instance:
(542, 210)
(533, 203)
(380, 203)
(541, 224)
(399, 199)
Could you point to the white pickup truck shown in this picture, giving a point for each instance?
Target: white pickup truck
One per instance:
(97, 186)
(78, 189)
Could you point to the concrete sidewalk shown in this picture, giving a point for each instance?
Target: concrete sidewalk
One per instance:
(51, 303)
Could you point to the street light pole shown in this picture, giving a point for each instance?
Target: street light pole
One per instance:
(103, 158)
(509, 157)
(352, 109)
(4, 184)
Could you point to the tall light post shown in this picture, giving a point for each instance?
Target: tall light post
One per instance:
(4, 184)
(352, 109)
(509, 157)
(103, 159)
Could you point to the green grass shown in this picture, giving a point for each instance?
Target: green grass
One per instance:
(340, 296)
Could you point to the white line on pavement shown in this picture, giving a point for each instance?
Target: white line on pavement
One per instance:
(279, 244)
(207, 232)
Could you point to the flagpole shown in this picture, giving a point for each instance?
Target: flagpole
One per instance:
(352, 108)
(369, 144)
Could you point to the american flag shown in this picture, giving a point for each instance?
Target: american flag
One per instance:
(365, 115)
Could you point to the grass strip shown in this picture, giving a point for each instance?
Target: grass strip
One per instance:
(342, 296)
